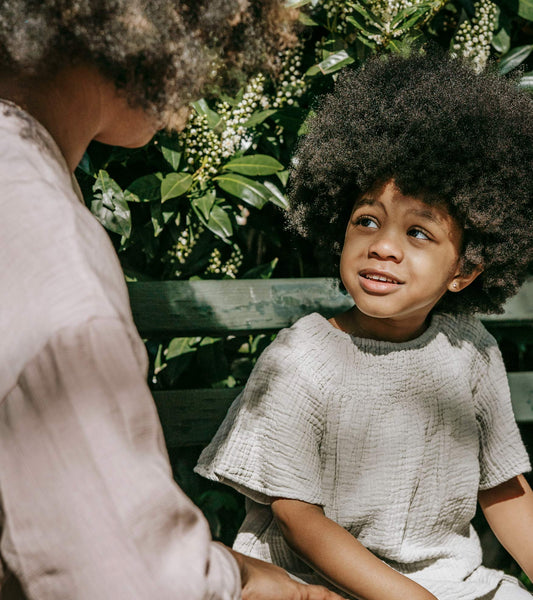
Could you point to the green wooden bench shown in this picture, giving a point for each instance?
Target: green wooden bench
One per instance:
(237, 307)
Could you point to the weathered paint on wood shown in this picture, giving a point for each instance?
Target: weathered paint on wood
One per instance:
(189, 308)
(225, 307)
(197, 308)
(192, 417)
(521, 385)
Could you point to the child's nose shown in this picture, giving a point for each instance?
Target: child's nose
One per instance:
(386, 246)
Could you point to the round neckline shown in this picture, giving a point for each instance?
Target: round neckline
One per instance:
(370, 343)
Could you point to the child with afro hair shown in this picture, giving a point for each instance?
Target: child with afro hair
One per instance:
(364, 442)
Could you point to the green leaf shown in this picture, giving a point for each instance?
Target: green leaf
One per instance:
(468, 7)
(174, 185)
(290, 118)
(204, 204)
(220, 223)
(361, 24)
(160, 217)
(109, 190)
(312, 71)
(173, 157)
(179, 346)
(526, 81)
(109, 205)
(144, 189)
(335, 61)
(255, 164)
(86, 164)
(403, 14)
(306, 20)
(296, 3)
(361, 8)
(247, 190)
(277, 197)
(261, 271)
(514, 57)
(369, 43)
(283, 176)
(258, 117)
(419, 13)
(524, 8)
(214, 120)
(501, 42)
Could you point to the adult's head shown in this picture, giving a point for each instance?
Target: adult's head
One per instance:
(160, 53)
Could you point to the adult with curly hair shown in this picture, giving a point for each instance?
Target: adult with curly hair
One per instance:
(365, 441)
(87, 502)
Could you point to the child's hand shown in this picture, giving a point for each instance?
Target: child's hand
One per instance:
(264, 581)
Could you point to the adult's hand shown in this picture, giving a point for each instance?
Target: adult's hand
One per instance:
(265, 581)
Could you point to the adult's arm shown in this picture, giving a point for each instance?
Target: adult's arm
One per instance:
(89, 506)
(339, 556)
(508, 508)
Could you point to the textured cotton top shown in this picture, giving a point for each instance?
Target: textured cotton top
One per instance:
(394, 440)
(88, 506)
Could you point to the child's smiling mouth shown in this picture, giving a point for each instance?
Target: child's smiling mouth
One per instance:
(381, 277)
(378, 282)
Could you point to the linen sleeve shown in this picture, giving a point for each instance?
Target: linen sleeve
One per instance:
(89, 507)
(269, 444)
(502, 454)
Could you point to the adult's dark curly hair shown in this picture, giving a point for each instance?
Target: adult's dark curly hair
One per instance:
(444, 134)
(161, 52)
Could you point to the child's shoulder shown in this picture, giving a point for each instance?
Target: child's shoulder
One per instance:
(463, 329)
(304, 344)
(310, 332)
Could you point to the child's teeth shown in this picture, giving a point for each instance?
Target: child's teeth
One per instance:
(379, 278)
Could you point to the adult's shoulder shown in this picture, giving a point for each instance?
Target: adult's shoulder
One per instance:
(58, 267)
(27, 150)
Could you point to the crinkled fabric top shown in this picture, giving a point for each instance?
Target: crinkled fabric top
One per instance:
(394, 440)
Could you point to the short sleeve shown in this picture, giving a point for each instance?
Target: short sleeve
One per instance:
(502, 453)
(269, 444)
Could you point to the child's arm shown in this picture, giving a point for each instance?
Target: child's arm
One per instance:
(508, 509)
(338, 556)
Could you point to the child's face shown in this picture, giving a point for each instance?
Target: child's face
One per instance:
(400, 256)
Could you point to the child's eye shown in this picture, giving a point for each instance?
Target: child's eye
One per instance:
(418, 234)
(366, 222)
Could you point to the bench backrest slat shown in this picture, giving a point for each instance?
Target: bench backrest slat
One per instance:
(192, 417)
(190, 308)
(233, 307)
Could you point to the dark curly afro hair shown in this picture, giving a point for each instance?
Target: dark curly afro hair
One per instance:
(444, 134)
(162, 53)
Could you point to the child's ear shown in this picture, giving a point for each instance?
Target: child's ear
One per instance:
(462, 280)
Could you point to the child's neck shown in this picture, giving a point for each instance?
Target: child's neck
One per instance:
(354, 322)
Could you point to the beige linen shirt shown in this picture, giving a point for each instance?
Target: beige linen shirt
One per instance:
(88, 507)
